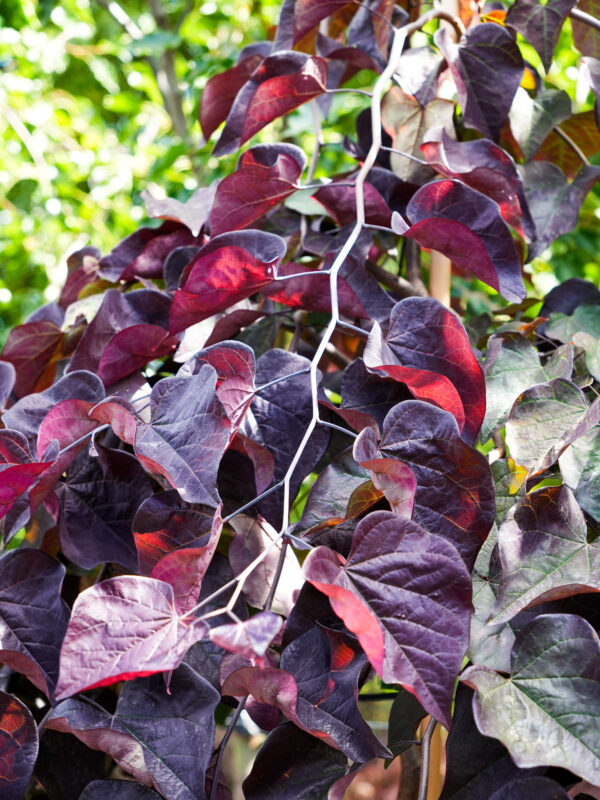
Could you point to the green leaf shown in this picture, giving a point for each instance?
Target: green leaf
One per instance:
(155, 43)
(545, 712)
(545, 553)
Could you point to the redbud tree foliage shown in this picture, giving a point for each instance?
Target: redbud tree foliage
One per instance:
(249, 465)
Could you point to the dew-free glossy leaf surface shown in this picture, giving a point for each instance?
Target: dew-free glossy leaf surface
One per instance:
(540, 24)
(193, 213)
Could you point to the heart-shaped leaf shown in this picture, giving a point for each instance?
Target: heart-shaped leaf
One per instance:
(250, 638)
(541, 712)
(540, 24)
(193, 213)
(545, 552)
(410, 616)
(580, 470)
(123, 628)
(18, 746)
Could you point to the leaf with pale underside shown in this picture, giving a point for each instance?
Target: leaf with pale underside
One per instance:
(542, 712)
(406, 595)
(96, 653)
(193, 213)
(18, 747)
(545, 552)
(533, 118)
(580, 470)
(389, 475)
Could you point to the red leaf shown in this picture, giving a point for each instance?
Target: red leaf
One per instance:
(15, 481)
(250, 638)
(193, 213)
(220, 92)
(66, 422)
(18, 747)
(131, 349)
(30, 348)
(281, 83)
(123, 628)
(119, 414)
(265, 175)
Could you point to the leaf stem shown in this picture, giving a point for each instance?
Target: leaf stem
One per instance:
(574, 147)
(587, 19)
(223, 744)
(425, 748)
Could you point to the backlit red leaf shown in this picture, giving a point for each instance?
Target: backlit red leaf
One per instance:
(18, 747)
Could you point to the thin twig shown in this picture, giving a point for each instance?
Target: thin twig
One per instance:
(223, 745)
(587, 19)
(347, 326)
(574, 147)
(276, 576)
(425, 747)
(335, 427)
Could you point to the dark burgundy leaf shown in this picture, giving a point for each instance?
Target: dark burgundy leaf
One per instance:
(230, 325)
(429, 339)
(33, 617)
(185, 568)
(553, 201)
(265, 175)
(364, 134)
(582, 130)
(540, 24)
(486, 167)
(18, 747)
(252, 537)
(118, 790)
(278, 418)
(66, 422)
(368, 398)
(525, 788)
(83, 270)
(99, 500)
(143, 254)
(128, 331)
(390, 476)
(8, 376)
(30, 348)
(172, 756)
(406, 594)
(455, 491)
(533, 118)
(585, 37)
(221, 90)
(477, 764)
(405, 715)
(119, 414)
(54, 765)
(311, 291)
(250, 638)
(164, 522)
(292, 764)
(96, 653)
(228, 269)
(340, 202)
(281, 83)
(299, 17)
(466, 226)
(187, 434)
(568, 295)
(354, 56)
(418, 71)
(487, 67)
(176, 262)
(193, 213)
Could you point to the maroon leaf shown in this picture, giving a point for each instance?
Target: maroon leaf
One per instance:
(143, 254)
(18, 747)
(229, 325)
(66, 422)
(487, 67)
(410, 612)
(299, 17)
(187, 435)
(8, 376)
(261, 458)
(30, 348)
(265, 175)
(311, 291)
(226, 270)
(427, 348)
(33, 617)
(250, 638)
(193, 213)
(118, 790)
(340, 202)
(486, 167)
(83, 270)
(132, 349)
(466, 226)
(171, 756)
(123, 628)
(281, 83)
(15, 481)
(396, 480)
(163, 523)
(455, 495)
(540, 24)
(367, 398)
(119, 414)
(99, 500)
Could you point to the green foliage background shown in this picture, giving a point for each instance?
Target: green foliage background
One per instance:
(85, 129)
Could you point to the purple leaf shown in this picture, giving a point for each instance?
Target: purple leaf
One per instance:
(123, 628)
(541, 711)
(14, 447)
(299, 17)
(164, 523)
(229, 325)
(250, 638)
(33, 617)
(540, 25)
(455, 492)
(487, 67)
(429, 339)
(545, 552)
(83, 270)
(30, 348)
(265, 175)
(228, 269)
(66, 422)
(221, 90)
(396, 480)
(99, 500)
(405, 715)
(418, 71)
(143, 254)
(281, 83)
(118, 790)
(368, 398)
(187, 435)
(193, 213)
(8, 376)
(293, 764)
(172, 756)
(311, 291)
(410, 612)
(128, 331)
(486, 167)
(537, 786)
(553, 201)
(18, 747)
(54, 766)
(119, 414)
(340, 203)
(466, 226)
(585, 37)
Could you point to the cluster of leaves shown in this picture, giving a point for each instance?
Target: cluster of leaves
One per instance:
(165, 418)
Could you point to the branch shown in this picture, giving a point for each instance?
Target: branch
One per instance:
(394, 282)
(574, 147)
(425, 746)
(587, 19)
